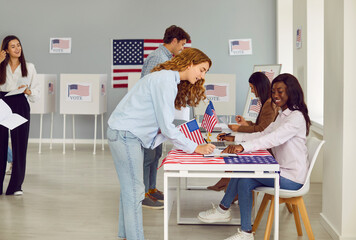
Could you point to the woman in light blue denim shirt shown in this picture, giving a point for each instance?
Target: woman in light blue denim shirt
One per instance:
(146, 111)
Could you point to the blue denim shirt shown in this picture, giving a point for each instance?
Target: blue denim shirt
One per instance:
(149, 107)
(160, 55)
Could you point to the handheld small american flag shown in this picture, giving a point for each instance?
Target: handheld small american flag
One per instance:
(191, 130)
(210, 119)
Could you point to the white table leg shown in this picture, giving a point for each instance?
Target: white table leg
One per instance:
(96, 122)
(73, 132)
(166, 202)
(102, 131)
(64, 134)
(41, 126)
(50, 145)
(276, 208)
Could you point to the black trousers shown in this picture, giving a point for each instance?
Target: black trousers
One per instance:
(19, 140)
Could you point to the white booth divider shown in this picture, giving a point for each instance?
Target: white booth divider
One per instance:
(46, 103)
(83, 94)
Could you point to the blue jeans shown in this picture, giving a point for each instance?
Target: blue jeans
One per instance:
(9, 155)
(127, 154)
(150, 164)
(244, 187)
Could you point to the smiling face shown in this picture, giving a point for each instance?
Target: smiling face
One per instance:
(279, 95)
(14, 48)
(195, 73)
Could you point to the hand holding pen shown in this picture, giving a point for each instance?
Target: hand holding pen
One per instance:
(225, 137)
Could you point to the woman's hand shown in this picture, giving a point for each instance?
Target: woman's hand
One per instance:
(234, 127)
(27, 91)
(205, 149)
(2, 56)
(233, 149)
(240, 120)
(224, 137)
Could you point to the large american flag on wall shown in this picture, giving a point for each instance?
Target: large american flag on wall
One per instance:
(128, 56)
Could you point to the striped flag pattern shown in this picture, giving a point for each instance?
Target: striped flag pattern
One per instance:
(255, 105)
(210, 119)
(177, 156)
(128, 56)
(191, 130)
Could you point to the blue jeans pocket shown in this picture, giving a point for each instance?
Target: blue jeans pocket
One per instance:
(112, 135)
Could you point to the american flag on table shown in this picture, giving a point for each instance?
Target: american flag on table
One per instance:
(78, 90)
(210, 119)
(177, 156)
(128, 57)
(255, 105)
(257, 157)
(191, 130)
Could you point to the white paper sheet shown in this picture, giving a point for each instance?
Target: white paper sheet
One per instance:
(15, 92)
(217, 153)
(9, 119)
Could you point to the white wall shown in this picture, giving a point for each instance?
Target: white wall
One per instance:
(339, 195)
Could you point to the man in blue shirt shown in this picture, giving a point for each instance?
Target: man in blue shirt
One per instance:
(173, 43)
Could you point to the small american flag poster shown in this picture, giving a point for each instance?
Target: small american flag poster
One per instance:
(255, 107)
(299, 38)
(128, 56)
(240, 47)
(217, 92)
(50, 88)
(79, 92)
(60, 45)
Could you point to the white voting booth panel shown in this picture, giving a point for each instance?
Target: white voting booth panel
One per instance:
(46, 102)
(83, 94)
(221, 92)
(97, 104)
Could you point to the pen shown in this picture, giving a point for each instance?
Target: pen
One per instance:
(226, 134)
(205, 141)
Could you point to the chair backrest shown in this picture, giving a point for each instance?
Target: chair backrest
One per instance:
(313, 145)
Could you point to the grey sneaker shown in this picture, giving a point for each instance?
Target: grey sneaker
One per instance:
(157, 194)
(152, 203)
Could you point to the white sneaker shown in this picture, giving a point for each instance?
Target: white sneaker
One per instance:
(214, 216)
(241, 235)
(18, 193)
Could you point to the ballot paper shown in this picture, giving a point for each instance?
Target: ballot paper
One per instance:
(16, 91)
(9, 119)
(218, 153)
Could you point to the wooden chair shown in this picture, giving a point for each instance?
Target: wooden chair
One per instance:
(293, 199)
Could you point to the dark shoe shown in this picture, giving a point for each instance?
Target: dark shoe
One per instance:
(220, 185)
(151, 202)
(156, 194)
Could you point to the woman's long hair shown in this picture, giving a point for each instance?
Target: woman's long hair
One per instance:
(295, 96)
(188, 94)
(4, 46)
(262, 85)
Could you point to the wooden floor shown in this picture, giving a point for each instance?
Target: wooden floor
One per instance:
(76, 196)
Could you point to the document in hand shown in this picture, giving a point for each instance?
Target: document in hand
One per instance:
(16, 91)
(9, 119)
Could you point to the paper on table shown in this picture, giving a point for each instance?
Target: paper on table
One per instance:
(16, 91)
(217, 153)
(9, 119)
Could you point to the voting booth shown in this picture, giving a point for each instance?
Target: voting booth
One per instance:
(83, 94)
(46, 103)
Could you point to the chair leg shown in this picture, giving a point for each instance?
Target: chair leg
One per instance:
(297, 220)
(289, 207)
(269, 220)
(261, 210)
(304, 214)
